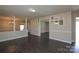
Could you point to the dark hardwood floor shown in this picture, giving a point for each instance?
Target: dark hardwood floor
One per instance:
(35, 44)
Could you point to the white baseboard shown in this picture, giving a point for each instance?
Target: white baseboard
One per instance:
(12, 38)
(60, 40)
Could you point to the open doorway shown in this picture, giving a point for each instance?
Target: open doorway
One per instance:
(77, 31)
(44, 34)
(44, 30)
(76, 47)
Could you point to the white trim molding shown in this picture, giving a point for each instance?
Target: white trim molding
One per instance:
(12, 38)
(60, 40)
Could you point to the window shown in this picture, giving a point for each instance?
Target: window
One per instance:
(21, 27)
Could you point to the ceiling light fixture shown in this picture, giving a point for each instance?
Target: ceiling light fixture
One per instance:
(32, 10)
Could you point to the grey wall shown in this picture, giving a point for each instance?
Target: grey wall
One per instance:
(47, 26)
(73, 27)
(61, 32)
(33, 26)
(28, 25)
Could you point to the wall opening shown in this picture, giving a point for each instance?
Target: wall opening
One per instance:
(77, 31)
(76, 47)
(44, 30)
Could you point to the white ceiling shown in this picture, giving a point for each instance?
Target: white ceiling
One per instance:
(41, 10)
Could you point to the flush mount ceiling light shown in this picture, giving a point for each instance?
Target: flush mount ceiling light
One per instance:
(31, 10)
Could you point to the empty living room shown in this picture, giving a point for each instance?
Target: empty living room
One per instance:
(39, 28)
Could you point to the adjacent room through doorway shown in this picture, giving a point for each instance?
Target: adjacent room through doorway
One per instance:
(44, 30)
